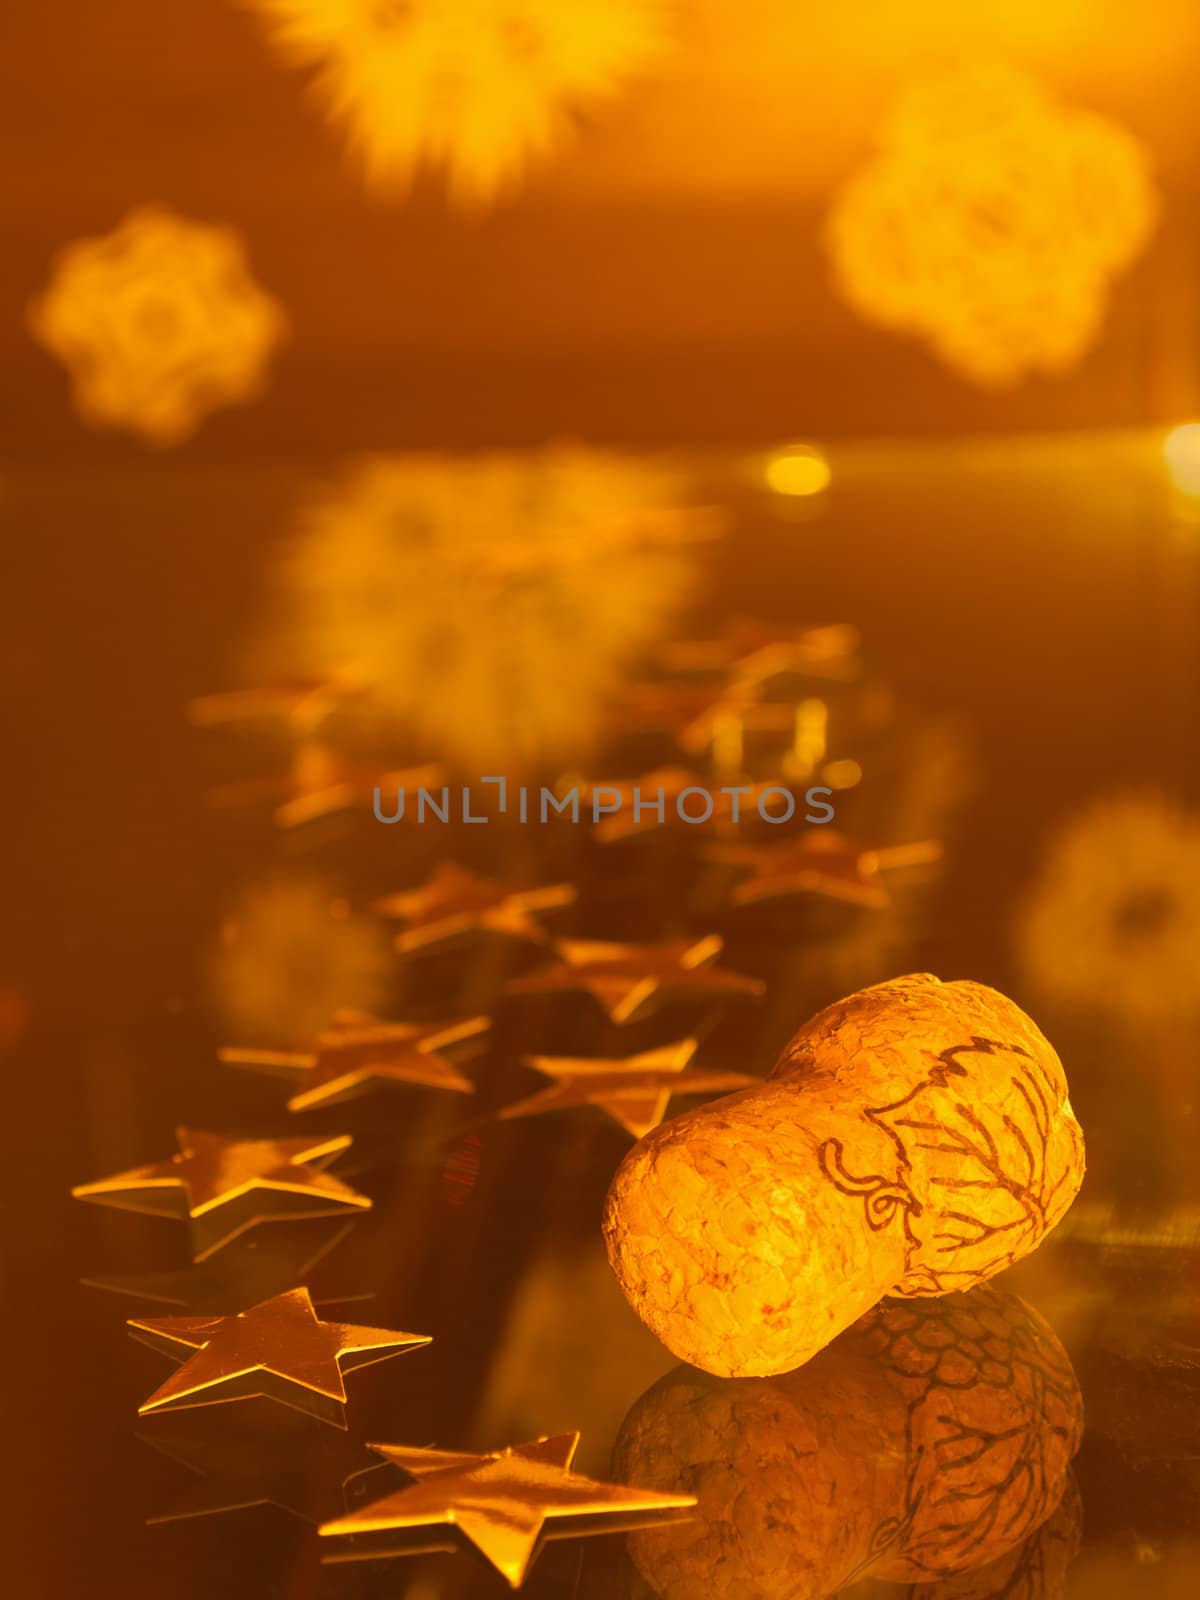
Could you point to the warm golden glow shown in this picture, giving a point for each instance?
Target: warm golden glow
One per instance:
(810, 730)
(800, 470)
(478, 89)
(290, 957)
(992, 222)
(491, 604)
(1181, 448)
(844, 774)
(159, 323)
(1113, 919)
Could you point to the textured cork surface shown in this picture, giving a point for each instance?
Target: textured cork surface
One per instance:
(932, 1439)
(914, 1139)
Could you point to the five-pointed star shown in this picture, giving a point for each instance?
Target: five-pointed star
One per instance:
(638, 809)
(751, 652)
(358, 1052)
(706, 719)
(279, 1348)
(258, 1180)
(634, 1090)
(690, 712)
(300, 706)
(637, 801)
(321, 782)
(822, 862)
(501, 1501)
(453, 901)
(622, 977)
(721, 733)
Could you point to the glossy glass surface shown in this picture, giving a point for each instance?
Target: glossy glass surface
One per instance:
(1040, 595)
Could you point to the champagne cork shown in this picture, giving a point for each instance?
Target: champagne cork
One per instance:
(913, 1140)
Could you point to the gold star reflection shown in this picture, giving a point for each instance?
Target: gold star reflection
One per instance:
(271, 1456)
(502, 1501)
(249, 1269)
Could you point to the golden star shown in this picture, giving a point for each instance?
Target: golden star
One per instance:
(320, 782)
(634, 1090)
(622, 977)
(638, 810)
(501, 1501)
(222, 1185)
(624, 823)
(358, 1052)
(822, 862)
(708, 719)
(686, 711)
(454, 901)
(301, 706)
(752, 652)
(279, 1348)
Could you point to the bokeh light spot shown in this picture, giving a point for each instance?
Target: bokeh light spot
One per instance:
(1181, 449)
(800, 470)
(842, 774)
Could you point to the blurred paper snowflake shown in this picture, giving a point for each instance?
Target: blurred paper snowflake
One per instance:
(290, 956)
(489, 605)
(992, 222)
(477, 88)
(159, 323)
(1113, 921)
